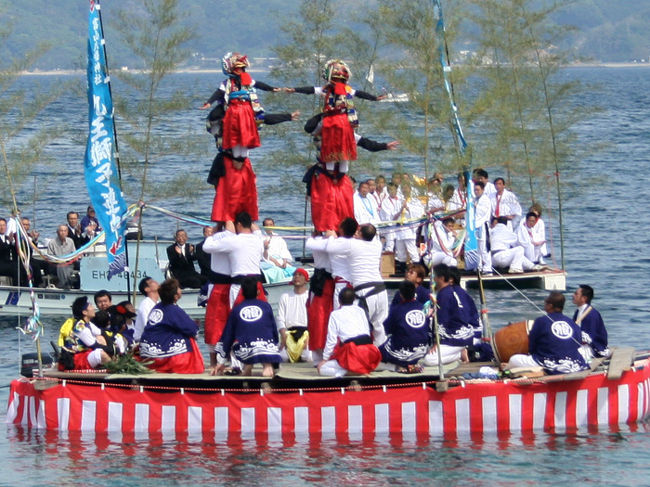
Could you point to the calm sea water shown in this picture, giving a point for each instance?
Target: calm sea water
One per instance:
(606, 238)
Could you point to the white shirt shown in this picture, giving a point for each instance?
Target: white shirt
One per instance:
(245, 251)
(390, 209)
(278, 248)
(535, 236)
(458, 200)
(442, 240)
(292, 310)
(365, 210)
(502, 238)
(345, 323)
(364, 258)
(379, 198)
(489, 188)
(338, 259)
(413, 210)
(507, 204)
(317, 246)
(142, 315)
(219, 261)
(483, 210)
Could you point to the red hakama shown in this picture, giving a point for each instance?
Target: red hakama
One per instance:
(318, 315)
(337, 136)
(216, 313)
(236, 192)
(358, 359)
(239, 127)
(184, 363)
(331, 201)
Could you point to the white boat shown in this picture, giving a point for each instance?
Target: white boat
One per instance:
(93, 276)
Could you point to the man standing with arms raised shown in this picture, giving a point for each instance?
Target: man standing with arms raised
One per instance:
(244, 246)
(364, 258)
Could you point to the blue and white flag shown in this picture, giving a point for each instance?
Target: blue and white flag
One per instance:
(472, 261)
(101, 170)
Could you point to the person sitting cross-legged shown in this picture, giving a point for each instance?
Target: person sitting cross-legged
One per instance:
(408, 331)
(554, 341)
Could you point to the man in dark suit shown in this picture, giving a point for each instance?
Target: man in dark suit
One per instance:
(74, 230)
(181, 257)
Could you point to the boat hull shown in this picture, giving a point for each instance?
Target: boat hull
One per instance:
(418, 408)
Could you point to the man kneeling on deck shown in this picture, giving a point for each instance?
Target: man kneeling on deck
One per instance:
(408, 332)
(355, 354)
(251, 333)
(553, 342)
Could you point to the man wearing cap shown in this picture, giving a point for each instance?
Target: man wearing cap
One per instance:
(292, 320)
(83, 346)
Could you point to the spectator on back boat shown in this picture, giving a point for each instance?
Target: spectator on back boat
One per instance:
(481, 223)
(251, 333)
(594, 334)
(456, 315)
(408, 331)
(505, 249)
(276, 263)
(59, 246)
(531, 235)
(148, 287)
(481, 175)
(458, 200)
(202, 257)
(74, 230)
(390, 210)
(405, 235)
(435, 201)
(8, 258)
(554, 341)
(169, 336)
(84, 346)
(380, 192)
(348, 326)
(365, 210)
(505, 204)
(441, 243)
(181, 257)
(90, 217)
(292, 320)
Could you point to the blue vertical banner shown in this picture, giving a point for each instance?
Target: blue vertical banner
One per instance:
(101, 172)
(472, 260)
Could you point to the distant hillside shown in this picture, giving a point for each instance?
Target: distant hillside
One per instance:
(608, 32)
